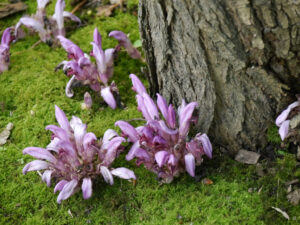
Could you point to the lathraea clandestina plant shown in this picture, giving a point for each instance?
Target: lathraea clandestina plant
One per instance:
(162, 144)
(74, 157)
(97, 75)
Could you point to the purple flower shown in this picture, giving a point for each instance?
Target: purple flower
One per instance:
(4, 50)
(283, 120)
(75, 157)
(48, 28)
(162, 143)
(125, 42)
(87, 101)
(98, 75)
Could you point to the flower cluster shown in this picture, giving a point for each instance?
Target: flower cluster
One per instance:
(75, 158)
(48, 28)
(283, 121)
(162, 144)
(97, 75)
(4, 50)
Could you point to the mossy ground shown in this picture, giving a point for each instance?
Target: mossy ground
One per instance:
(32, 85)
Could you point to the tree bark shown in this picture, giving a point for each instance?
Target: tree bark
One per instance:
(239, 59)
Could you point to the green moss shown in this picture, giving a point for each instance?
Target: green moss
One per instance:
(32, 85)
(273, 135)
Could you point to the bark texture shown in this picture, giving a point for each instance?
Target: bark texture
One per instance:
(239, 59)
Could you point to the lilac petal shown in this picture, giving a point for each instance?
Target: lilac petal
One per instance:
(88, 100)
(167, 130)
(283, 116)
(60, 185)
(100, 58)
(79, 132)
(142, 154)
(97, 38)
(88, 139)
(142, 108)
(112, 148)
(109, 57)
(75, 121)
(137, 85)
(131, 154)
(58, 132)
(162, 105)
(125, 42)
(58, 15)
(33, 24)
(35, 165)
(73, 50)
(151, 107)
(62, 119)
(6, 37)
(107, 175)
(123, 173)
(67, 191)
(284, 129)
(40, 153)
(42, 3)
(181, 107)
(68, 148)
(159, 140)
(108, 97)
(73, 68)
(84, 61)
(87, 188)
(108, 135)
(161, 157)
(69, 92)
(53, 146)
(72, 17)
(47, 177)
(185, 117)
(128, 130)
(190, 166)
(172, 160)
(146, 131)
(171, 117)
(89, 149)
(206, 145)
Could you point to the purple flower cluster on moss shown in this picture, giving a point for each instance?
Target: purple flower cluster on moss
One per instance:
(97, 75)
(162, 144)
(283, 120)
(4, 49)
(47, 28)
(75, 158)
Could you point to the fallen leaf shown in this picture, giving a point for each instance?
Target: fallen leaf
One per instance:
(137, 44)
(283, 213)
(247, 157)
(10, 9)
(295, 181)
(207, 181)
(4, 135)
(294, 197)
(106, 10)
(70, 213)
(115, 1)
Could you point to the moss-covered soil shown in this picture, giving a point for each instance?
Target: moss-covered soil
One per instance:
(28, 92)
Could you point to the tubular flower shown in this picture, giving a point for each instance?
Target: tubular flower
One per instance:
(162, 143)
(4, 50)
(283, 120)
(75, 157)
(97, 75)
(48, 28)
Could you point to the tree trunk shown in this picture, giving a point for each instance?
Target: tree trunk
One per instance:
(239, 59)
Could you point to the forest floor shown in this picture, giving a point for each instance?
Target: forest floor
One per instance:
(239, 194)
